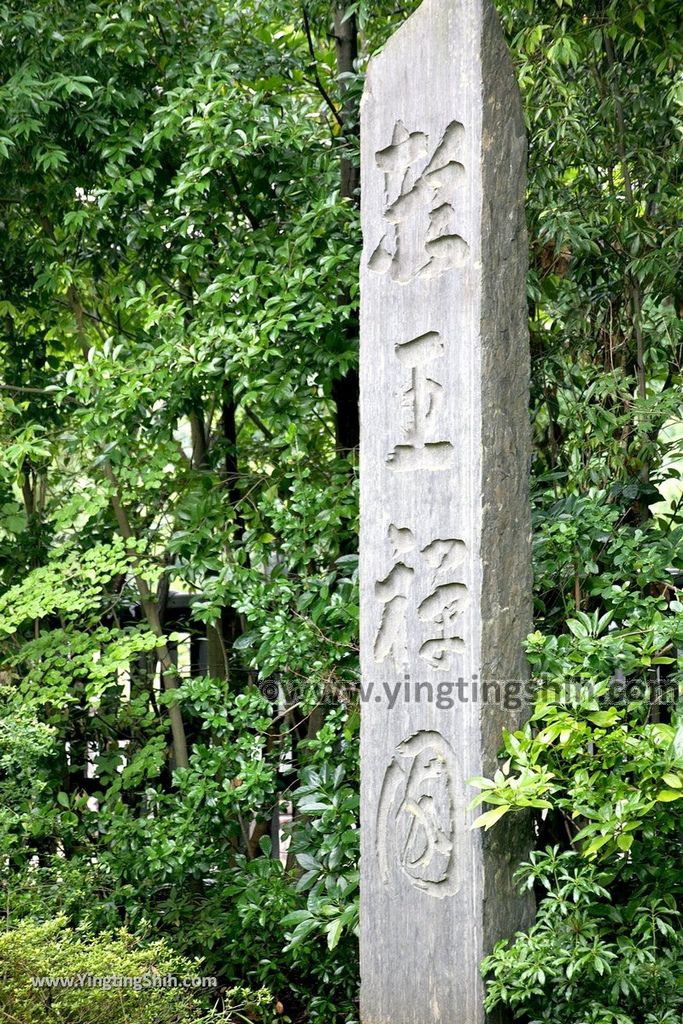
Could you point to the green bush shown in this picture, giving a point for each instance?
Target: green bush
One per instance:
(53, 951)
(606, 947)
(591, 957)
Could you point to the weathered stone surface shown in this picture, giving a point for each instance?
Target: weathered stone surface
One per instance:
(445, 534)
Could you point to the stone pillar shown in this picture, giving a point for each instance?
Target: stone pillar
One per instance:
(445, 530)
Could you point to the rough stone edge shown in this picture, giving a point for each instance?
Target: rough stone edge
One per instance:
(506, 597)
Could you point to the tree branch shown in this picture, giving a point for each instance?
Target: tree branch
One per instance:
(19, 389)
(321, 88)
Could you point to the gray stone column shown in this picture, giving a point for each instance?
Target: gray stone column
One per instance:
(445, 532)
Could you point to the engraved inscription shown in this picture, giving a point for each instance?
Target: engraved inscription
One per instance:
(439, 608)
(416, 825)
(421, 402)
(442, 608)
(422, 204)
(392, 591)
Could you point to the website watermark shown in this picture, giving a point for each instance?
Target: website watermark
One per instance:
(110, 982)
(448, 694)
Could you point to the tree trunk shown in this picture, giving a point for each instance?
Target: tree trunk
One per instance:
(169, 675)
(345, 389)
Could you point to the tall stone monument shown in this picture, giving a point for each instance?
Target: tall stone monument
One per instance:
(445, 532)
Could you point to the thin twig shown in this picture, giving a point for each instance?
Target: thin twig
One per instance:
(30, 391)
(259, 422)
(321, 88)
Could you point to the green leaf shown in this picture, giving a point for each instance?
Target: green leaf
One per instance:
(307, 862)
(334, 931)
(577, 628)
(604, 719)
(489, 818)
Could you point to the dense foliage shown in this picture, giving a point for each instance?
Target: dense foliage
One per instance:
(178, 603)
(602, 757)
(34, 954)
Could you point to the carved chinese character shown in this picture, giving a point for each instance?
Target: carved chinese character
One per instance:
(421, 201)
(393, 593)
(439, 608)
(415, 815)
(421, 400)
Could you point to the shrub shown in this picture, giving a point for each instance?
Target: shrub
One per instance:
(595, 955)
(51, 950)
